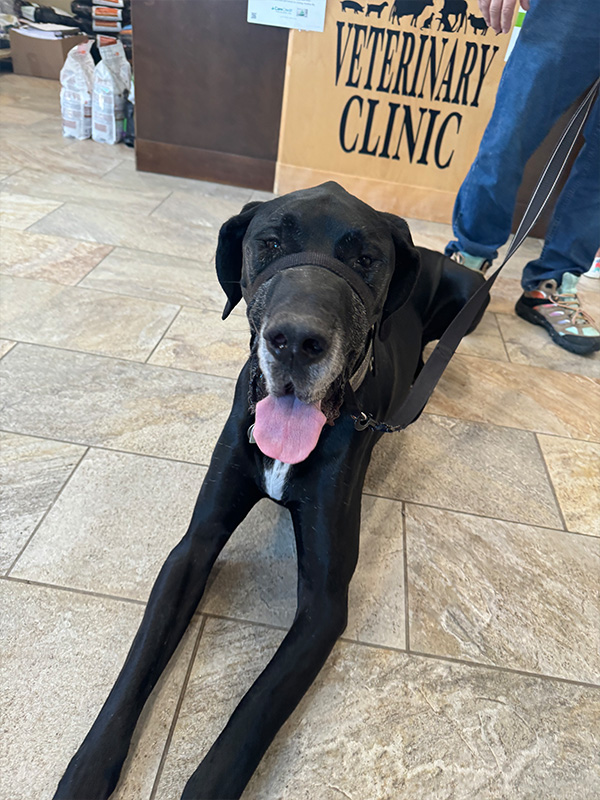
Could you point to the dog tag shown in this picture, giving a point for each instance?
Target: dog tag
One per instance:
(251, 438)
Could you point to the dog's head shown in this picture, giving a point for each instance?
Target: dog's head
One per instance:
(311, 315)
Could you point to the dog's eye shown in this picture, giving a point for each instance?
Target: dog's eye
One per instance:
(364, 261)
(272, 243)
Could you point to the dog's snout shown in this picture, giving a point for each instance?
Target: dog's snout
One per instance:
(294, 341)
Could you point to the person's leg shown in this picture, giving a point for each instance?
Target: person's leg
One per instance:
(550, 281)
(554, 61)
(574, 233)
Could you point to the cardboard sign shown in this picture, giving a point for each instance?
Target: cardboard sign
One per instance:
(391, 100)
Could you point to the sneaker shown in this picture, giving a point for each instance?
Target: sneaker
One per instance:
(472, 262)
(558, 310)
(594, 270)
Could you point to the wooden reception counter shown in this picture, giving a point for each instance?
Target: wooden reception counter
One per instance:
(209, 90)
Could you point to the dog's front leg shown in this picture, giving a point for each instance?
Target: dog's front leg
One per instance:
(227, 494)
(327, 544)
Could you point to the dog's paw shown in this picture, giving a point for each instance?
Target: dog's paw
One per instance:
(88, 779)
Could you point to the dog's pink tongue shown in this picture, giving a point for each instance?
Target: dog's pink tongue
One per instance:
(287, 429)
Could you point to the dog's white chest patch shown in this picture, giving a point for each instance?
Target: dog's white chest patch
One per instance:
(275, 478)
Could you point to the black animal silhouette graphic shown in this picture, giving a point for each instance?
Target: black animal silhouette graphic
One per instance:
(478, 24)
(376, 9)
(458, 10)
(356, 7)
(451, 16)
(430, 14)
(408, 8)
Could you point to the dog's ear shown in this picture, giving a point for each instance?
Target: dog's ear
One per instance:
(228, 258)
(406, 268)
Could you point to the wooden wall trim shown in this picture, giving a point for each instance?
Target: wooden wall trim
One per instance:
(205, 165)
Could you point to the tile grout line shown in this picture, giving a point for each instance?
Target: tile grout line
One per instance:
(10, 174)
(178, 706)
(208, 374)
(205, 231)
(283, 629)
(478, 665)
(106, 449)
(164, 200)
(72, 590)
(122, 161)
(47, 282)
(534, 367)
(14, 344)
(127, 246)
(48, 510)
(267, 625)
(120, 166)
(205, 308)
(203, 465)
(102, 260)
(23, 230)
(75, 240)
(480, 516)
(161, 339)
(405, 565)
(95, 353)
(119, 358)
(551, 483)
(101, 355)
(416, 653)
(92, 182)
(509, 427)
(510, 361)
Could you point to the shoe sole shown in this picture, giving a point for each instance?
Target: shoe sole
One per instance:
(531, 315)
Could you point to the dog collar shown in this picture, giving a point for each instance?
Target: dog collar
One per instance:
(366, 364)
(313, 259)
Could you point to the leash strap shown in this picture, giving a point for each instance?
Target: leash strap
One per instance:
(437, 362)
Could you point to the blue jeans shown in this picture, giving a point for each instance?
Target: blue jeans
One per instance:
(556, 58)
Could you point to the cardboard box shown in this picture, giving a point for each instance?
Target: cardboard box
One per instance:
(42, 58)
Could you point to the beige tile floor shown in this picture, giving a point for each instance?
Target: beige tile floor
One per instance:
(471, 663)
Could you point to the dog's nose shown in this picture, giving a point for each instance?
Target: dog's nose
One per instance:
(299, 342)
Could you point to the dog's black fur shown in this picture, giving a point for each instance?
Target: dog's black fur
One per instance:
(309, 334)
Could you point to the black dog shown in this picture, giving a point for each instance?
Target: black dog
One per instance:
(337, 295)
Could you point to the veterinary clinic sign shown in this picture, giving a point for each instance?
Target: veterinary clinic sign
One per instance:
(391, 100)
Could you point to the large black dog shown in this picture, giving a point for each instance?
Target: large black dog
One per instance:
(337, 296)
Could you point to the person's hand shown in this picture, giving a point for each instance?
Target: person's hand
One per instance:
(498, 14)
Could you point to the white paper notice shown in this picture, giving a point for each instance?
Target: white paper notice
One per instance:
(306, 15)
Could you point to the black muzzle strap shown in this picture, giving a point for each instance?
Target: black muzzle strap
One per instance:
(311, 259)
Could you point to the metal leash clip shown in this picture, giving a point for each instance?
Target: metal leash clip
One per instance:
(362, 421)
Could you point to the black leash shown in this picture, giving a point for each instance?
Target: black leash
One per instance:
(444, 350)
